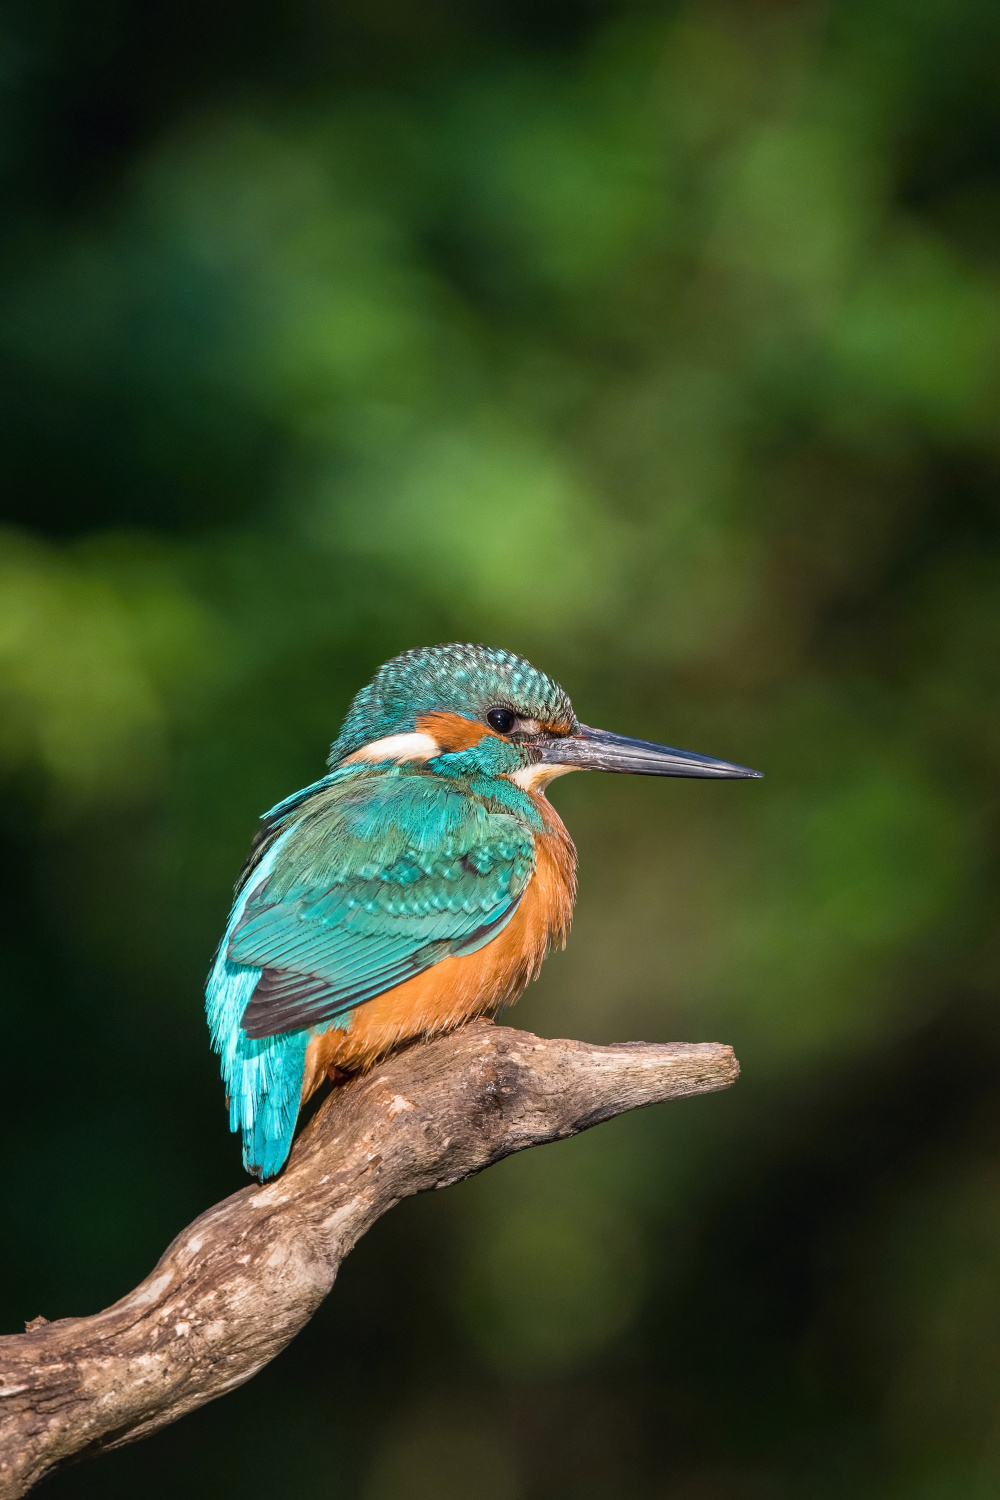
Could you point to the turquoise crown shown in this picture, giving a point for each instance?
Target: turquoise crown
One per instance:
(459, 679)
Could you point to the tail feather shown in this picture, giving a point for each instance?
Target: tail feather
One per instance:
(271, 1075)
(263, 1077)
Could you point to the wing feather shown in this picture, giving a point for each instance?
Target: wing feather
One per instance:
(373, 885)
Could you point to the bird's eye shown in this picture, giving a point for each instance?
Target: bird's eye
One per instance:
(501, 719)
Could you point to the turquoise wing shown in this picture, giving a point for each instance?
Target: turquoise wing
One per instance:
(376, 880)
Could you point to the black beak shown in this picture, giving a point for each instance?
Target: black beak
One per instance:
(587, 749)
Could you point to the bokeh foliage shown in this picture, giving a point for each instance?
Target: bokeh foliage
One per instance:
(660, 342)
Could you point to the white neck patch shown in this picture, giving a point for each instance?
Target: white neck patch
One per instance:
(397, 747)
(535, 778)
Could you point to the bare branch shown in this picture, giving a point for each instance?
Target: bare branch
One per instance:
(240, 1282)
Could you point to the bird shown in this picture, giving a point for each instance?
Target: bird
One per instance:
(417, 885)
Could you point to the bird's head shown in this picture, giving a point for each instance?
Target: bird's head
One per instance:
(449, 700)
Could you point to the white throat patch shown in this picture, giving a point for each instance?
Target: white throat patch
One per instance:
(535, 778)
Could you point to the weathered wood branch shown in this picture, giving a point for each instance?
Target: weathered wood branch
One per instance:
(240, 1282)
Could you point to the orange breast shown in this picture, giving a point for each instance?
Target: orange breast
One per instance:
(476, 984)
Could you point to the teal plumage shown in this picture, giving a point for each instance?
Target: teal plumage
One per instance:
(263, 1076)
(382, 873)
(428, 843)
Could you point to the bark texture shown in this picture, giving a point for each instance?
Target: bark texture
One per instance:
(240, 1282)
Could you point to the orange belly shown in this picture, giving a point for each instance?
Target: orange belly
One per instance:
(458, 989)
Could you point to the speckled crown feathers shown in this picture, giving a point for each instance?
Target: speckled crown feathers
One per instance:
(455, 678)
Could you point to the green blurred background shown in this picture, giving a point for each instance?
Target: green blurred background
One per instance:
(659, 342)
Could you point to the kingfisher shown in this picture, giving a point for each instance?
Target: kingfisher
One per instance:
(417, 885)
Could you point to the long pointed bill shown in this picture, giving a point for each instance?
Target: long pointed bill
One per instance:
(589, 749)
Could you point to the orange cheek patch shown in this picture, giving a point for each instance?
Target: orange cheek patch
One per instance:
(452, 731)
